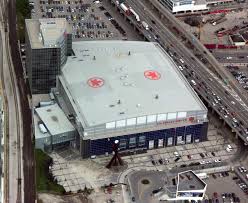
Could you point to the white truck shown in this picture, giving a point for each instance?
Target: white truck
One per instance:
(135, 15)
(145, 25)
(125, 8)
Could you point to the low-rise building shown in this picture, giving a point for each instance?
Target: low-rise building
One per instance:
(52, 127)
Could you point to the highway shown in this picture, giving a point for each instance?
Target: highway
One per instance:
(219, 96)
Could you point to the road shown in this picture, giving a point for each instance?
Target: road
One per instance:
(234, 56)
(25, 98)
(13, 128)
(19, 155)
(229, 106)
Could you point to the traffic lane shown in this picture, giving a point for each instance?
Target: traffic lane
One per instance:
(231, 57)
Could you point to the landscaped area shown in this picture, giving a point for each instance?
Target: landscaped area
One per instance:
(44, 180)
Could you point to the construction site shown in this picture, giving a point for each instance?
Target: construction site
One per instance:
(220, 29)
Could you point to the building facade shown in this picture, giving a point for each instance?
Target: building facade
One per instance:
(48, 43)
(179, 6)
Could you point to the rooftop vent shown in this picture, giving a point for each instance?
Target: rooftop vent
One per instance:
(94, 58)
(119, 101)
(138, 105)
(125, 84)
(156, 96)
(111, 105)
(121, 113)
(129, 53)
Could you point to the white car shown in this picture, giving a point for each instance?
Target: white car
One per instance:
(176, 154)
(193, 82)
(217, 160)
(181, 60)
(181, 68)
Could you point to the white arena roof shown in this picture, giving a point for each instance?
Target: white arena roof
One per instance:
(112, 81)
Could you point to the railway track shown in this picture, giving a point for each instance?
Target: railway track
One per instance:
(6, 132)
(6, 109)
(18, 126)
(9, 133)
(27, 157)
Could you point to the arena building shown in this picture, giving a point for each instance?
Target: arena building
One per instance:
(131, 92)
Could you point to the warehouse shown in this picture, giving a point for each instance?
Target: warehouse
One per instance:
(131, 92)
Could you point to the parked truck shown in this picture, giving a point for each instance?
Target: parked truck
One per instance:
(125, 8)
(145, 25)
(135, 15)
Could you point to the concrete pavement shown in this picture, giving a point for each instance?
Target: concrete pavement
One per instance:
(13, 142)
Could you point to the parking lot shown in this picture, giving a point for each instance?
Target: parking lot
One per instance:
(89, 19)
(225, 187)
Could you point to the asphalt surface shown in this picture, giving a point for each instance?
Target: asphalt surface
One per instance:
(143, 192)
(231, 56)
(26, 157)
(12, 175)
(208, 85)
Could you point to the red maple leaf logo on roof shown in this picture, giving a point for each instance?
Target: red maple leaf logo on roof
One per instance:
(95, 82)
(152, 75)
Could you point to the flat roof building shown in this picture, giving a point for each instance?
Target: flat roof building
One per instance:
(57, 128)
(48, 43)
(130, 91)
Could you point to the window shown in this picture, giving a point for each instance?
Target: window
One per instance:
(123, 144)
(142, 140)
(132, 142)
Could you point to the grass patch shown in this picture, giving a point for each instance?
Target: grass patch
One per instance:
(44, 179)
(23, 12)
